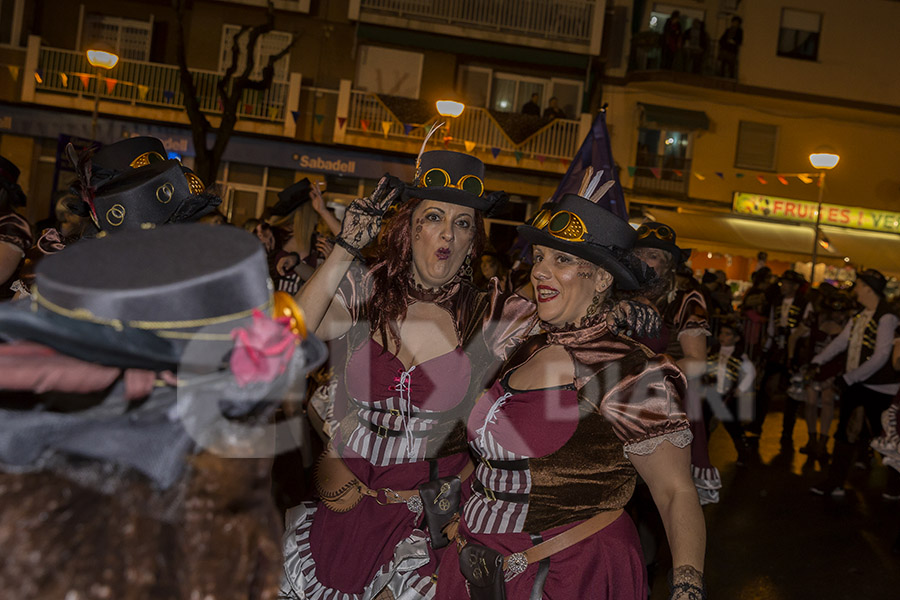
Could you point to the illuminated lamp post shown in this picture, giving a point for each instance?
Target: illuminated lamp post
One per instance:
(823, 160)
(449, 108)
(100, 58)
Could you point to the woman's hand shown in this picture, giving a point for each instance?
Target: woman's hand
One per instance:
(318, 202)
(634, 319)
(362, 222)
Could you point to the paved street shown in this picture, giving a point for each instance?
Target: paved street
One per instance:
(770, 539)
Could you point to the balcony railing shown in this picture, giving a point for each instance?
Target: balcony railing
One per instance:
(562, 20)
(148, 84)
(665, 175)
(647, 55)
(558, 139)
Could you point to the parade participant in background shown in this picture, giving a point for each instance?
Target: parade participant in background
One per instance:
(15, 234)
(789, 309)
(729, 377)
(134, 398)
(179, 195)
(409, 314)
(545, 517)
(869, 380)
(821, 326)
(683, 337)
(755, 308)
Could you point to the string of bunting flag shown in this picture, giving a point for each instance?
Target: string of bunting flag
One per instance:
(257, 108)
(387, 126)
(763, 178)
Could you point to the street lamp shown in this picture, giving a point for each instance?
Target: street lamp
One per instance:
(823, 160)
(450, 108)
(99, 58)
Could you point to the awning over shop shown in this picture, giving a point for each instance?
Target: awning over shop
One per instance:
(674, 117)
(866, 249)
(729, 234)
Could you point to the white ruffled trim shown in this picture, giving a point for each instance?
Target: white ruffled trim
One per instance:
(296, 585)
(679, 439)
(695, 332)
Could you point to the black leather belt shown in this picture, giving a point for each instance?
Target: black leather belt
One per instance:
(492, 495)
(383, 432)
(508, 465)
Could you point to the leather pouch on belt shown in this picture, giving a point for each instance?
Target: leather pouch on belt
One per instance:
(483, 569)
(440, 502)
(336, 484)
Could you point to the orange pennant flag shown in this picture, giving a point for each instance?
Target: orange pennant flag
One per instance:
(761, 179)
(782, 179)
(364, 124)
(386, 128)
(111, 85)
(804, 178)
(469, 145)
(65, 79)
(700, 177)
(85, 78)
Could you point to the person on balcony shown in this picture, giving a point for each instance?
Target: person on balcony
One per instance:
(553, 111)
(696, 45)
(671, 40)
(729, 45)
(532, 107)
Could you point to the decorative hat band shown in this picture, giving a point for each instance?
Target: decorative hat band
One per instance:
(169, 329)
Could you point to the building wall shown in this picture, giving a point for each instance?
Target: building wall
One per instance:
(866, 175)
(855, 40)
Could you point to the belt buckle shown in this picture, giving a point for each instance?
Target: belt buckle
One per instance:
(395, 412)
(393, 498)
(489, 494)
(382, 431)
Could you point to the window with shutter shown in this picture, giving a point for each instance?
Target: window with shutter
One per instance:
(129, 38)
(756, 146)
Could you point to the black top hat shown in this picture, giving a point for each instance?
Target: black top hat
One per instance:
(291, 198)
(152, 195)
(9, 176)
(792, 276)
(874, 279)
(662, 236)
(130, 153)
(453, 177)
(580, 227)
(146, 299)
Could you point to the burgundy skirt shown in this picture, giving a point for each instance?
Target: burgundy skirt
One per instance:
(607, 565)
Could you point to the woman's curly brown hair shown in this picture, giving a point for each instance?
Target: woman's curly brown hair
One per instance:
(389, 270)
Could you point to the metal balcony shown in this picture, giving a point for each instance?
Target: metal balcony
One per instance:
(148, 84)
(573, 23)
(370, 123)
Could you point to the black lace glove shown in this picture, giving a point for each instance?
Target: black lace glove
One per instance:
(634, 319)
(362, 221)
(686, 583)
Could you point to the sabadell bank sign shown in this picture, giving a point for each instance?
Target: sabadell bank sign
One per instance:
(317, 163)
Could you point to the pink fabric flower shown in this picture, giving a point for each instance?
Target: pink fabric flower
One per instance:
(262, 350)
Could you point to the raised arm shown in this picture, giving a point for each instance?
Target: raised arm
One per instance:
(330, 319)
(318, 204)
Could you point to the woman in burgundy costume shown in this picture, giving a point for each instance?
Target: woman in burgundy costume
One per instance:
(576, 414)
(684, 332)
(411, 320)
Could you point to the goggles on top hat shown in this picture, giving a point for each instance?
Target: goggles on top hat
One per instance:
(438, 177)
(660, 232)
(563, 224)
